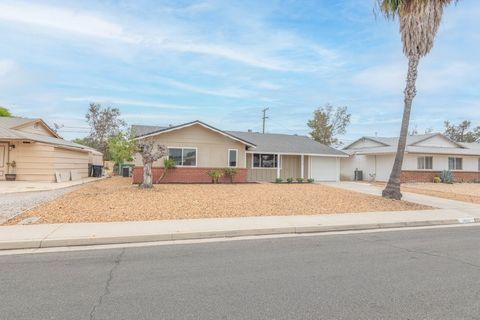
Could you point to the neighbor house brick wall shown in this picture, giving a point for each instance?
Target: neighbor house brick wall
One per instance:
(188, 175)
(427, 176)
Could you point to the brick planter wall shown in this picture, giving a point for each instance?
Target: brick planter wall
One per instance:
(427, 176)
(187, 175)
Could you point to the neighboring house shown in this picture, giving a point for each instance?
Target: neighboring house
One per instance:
(40, 153)
(426, 156)
(197, 148)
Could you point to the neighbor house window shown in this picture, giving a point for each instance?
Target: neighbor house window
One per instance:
(425, 163)
(265, 160)
(183, 156)
(455, 163)
(232, 157)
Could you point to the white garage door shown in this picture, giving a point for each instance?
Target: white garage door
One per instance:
(324, 169)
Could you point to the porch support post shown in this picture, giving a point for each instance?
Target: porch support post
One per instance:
(278, 166)
(301, 166)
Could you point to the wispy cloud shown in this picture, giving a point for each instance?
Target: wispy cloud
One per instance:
(127, 102)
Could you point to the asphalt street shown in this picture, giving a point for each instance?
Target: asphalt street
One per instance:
(415, 274)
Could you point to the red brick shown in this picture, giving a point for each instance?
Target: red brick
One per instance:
(427, 176)
(187, 175)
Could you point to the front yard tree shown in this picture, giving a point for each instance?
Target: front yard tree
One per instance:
(104, 123)
(4, 112)
(327, 123)
(419, 22)
(150, 151)
(462, 132)
(121, 147)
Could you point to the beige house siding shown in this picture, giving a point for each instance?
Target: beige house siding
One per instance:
(212, 147)
(34, 161)
(67, 160)
(95, 158)
(37, 128)
(289, 168)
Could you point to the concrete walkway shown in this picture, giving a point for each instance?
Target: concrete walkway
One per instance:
(71, 234)
(7, 187)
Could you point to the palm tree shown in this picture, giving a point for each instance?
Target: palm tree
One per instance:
(419, 22)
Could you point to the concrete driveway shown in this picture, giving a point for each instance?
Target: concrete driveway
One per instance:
(29, 186)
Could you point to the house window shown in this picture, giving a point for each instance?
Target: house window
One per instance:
(186, 157)
(265, 160)
(425, 163)
(232, 157)
(455, 163)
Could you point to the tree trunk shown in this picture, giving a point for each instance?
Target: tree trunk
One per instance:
(147, 176)
(392, 190)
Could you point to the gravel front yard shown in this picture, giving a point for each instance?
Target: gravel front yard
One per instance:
(116, 199)
(468, 192)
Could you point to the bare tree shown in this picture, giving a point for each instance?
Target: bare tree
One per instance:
(150, 151)
(462, 131)
(104, 123)
(327, 123)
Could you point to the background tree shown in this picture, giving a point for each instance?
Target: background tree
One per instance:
(121, 147)
(327, 123)
(104, 123)
(4, 112)
(150, 151)
(419, 22)
(462, 132)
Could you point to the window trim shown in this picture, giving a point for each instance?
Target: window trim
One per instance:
(236, 158)
(279, 161)
(454, 163)
(424, 162)
(181, 165)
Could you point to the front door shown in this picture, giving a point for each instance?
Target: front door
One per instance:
(3, 160)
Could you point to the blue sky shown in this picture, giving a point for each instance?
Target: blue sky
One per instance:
(168, 62)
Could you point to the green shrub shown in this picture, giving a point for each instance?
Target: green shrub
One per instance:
(230, 172)
(310, 180)
(299, 180)
(446, 176)
(437, 180)
(278, 180)
(215, 175)
(289, 180)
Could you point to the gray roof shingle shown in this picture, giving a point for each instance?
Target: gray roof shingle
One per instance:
(285, 143)
(264, 142)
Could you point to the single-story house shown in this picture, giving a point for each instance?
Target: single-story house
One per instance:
(40, 153)
(426, 155)
(197, 147)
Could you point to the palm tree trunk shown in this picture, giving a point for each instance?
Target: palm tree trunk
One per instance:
(392, 190)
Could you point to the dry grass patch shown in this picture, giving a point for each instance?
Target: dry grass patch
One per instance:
(117, 199)
(467, 192)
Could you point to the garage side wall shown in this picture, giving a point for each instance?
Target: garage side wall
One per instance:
(68, 160)
(34, 161)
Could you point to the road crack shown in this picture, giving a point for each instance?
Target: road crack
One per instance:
(427, 253)
(106, 290)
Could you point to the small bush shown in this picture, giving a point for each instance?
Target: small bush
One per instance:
(289, 180)
(278, 180)
(300, 180)
(447, 176)
(215, 175)
(310, 180)
(230, 172)
(437, 180)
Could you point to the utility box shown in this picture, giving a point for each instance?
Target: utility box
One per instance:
(358, 175)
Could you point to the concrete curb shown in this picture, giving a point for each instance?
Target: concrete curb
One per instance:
(93, 240)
